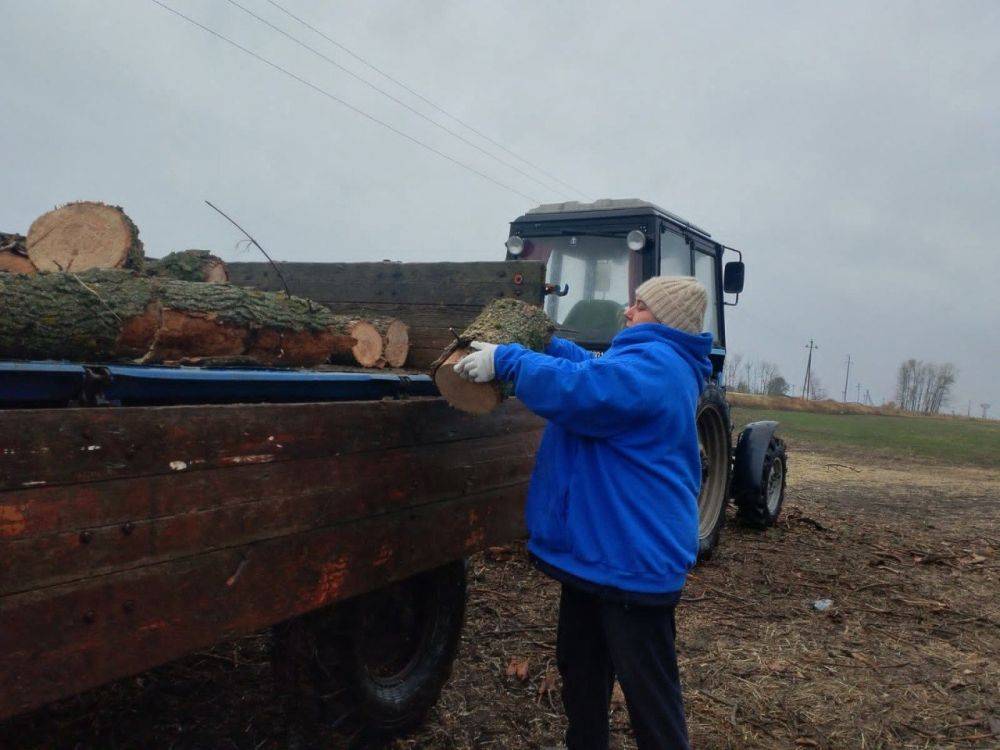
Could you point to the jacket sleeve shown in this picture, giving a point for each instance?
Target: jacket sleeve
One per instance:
(597, 398)
(564, 349)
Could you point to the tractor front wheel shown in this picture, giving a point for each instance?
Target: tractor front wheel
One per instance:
(762, 507)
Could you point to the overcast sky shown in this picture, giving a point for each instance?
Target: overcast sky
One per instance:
(850, 149)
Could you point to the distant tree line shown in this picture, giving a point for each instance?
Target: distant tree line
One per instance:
(924, 387)
(754, 376)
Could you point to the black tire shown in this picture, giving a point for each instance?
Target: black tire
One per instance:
(377, 663)
(761, 509)
(715, 447)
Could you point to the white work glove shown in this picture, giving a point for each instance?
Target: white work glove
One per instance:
(478, 366)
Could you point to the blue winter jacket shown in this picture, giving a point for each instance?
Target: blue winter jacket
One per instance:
(613, 498)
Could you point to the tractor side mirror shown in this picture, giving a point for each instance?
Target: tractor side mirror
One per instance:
(733, 277)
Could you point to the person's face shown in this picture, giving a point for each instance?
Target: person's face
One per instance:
(638, 313)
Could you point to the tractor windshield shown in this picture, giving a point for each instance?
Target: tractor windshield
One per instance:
(598, 272)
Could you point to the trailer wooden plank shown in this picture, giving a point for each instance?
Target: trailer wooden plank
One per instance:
(61, 640)
(45, 447)
(41, 512)
(75, 533)
(446, 283)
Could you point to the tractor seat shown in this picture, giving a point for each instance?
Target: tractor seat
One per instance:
(595, 319)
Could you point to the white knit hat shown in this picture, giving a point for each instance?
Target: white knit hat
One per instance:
(675, 301)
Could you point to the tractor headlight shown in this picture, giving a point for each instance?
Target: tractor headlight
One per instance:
(636, 240)
(515, 245)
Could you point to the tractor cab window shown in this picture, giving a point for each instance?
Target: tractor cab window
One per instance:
(704, 271)
(675, 254)
(598, 273)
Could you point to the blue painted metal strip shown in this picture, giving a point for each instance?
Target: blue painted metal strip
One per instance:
(39, 382)
(183, 385)
(53, 382)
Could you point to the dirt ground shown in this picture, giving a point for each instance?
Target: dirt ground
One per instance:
(907, 656)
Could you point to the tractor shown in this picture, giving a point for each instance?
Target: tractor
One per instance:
(596, 254)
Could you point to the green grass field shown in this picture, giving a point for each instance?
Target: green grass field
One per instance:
(960, 441)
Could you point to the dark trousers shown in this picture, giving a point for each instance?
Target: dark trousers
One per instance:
(599, 640)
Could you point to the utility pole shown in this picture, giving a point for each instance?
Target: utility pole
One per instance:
(985, 408)
(847, 377)
(809, 361)
(859, 392)
(968, 412)
(868, 397)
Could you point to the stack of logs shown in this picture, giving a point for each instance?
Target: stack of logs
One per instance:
(79, 287)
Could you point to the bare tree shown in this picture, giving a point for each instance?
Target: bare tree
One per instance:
(730, 373)
(924, 386)
(766, 372)
(816, 390)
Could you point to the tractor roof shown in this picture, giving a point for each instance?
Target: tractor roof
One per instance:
(605, 207)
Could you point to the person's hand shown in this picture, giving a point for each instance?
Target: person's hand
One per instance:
(478, 366)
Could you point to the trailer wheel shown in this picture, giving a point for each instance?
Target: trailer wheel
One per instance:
(715, 447)
(377, 663)
(761, 508)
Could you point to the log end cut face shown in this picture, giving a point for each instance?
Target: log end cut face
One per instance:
(367, 348)
(397, 343)
(474, 398)
(84, 235)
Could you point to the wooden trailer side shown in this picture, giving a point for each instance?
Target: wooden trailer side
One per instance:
(130, 537)
(431, 298)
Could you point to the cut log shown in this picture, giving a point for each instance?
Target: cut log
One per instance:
(359, 342)
(503, 321)
(189, 265)
(12, 262)
(14, 243)
(14, 254)
(395, 340)
(84, 235)
(118, 316)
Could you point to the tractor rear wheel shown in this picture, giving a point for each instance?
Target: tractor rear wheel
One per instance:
(374, 665)
(715, 447)
(760, 509)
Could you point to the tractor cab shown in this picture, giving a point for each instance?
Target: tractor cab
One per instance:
(596, 254)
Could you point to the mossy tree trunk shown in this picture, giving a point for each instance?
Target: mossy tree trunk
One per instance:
(119, 316)
(189, 265)
(503, 321)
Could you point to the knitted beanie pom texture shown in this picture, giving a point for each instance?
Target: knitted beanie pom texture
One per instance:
(675, 301)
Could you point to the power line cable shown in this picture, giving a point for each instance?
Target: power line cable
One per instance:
(424, 99)
(386, 94)
(340, 101)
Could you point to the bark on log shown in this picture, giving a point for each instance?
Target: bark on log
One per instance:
(189, 265)
(14, 243)
(503, 321)
(14, 254)
(118, 315)
(84, 235)
(395, 340)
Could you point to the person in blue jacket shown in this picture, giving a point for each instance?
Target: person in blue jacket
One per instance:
(612, 509)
